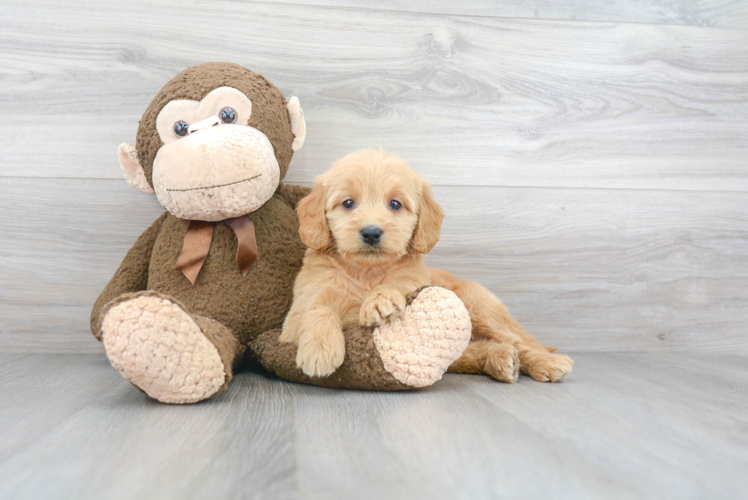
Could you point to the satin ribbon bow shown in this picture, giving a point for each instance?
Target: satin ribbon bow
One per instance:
(197, 245)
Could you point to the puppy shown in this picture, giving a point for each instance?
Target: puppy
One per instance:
(368, 223)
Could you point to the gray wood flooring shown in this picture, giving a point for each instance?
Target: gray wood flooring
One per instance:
(621, 426)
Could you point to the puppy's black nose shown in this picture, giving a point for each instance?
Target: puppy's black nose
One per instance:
(371, 235)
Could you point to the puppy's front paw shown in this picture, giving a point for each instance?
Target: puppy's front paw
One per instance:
(382, 303)
(320, 353)
(290, 332)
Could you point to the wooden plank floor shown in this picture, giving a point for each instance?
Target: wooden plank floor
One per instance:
(622, 426)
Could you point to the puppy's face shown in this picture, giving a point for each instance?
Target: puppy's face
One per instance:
(372, 207)
(375, 207)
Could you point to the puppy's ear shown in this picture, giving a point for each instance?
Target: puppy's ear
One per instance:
(429, 222)
(313, 220)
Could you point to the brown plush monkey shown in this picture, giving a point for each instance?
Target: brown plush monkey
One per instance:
(213, 276)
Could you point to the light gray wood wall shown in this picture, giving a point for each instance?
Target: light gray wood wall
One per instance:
(591, 156)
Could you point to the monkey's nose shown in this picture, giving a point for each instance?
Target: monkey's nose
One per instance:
(203, 124)
(371, 235)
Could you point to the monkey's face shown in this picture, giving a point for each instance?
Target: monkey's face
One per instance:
(214, 143)
(213, 165)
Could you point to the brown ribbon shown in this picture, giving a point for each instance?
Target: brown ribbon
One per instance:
(197, 245)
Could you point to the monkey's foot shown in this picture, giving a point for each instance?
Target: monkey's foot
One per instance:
(160, 349)
(432, 332)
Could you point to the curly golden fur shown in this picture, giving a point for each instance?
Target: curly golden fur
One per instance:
(368, 223)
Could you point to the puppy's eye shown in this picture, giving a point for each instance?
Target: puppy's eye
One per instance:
(180, 128)
(348, 204)
(395, 205)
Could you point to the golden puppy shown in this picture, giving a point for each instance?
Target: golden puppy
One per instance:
(368, 223)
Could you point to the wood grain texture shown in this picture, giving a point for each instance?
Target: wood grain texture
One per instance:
(62, 241)
(583, 269)
(613, 270)
(724, 13)
(470, 100)
(106, 440)
(660, 426)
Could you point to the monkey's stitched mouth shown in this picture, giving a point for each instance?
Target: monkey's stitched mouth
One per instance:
(216, 186)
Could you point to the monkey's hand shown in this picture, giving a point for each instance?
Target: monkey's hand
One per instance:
(321, 342)
(382, 303)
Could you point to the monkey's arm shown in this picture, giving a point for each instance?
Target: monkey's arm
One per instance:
(132, 275)
(292, 194)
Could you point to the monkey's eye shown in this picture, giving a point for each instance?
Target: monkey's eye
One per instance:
(228, 115)
(349, 204)
(180, 128)
(395, 205)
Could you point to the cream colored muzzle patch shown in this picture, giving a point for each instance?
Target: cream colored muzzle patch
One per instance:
(217, 173)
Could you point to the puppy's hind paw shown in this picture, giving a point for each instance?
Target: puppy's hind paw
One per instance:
(502, 363)
(546, 367)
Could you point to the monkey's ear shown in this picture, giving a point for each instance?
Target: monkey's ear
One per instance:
(128, 160)
(298, 125)
(313, 220)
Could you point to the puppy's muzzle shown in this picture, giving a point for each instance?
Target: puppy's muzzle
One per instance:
(371, 235)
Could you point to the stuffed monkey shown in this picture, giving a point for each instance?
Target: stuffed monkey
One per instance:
(211, 281)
